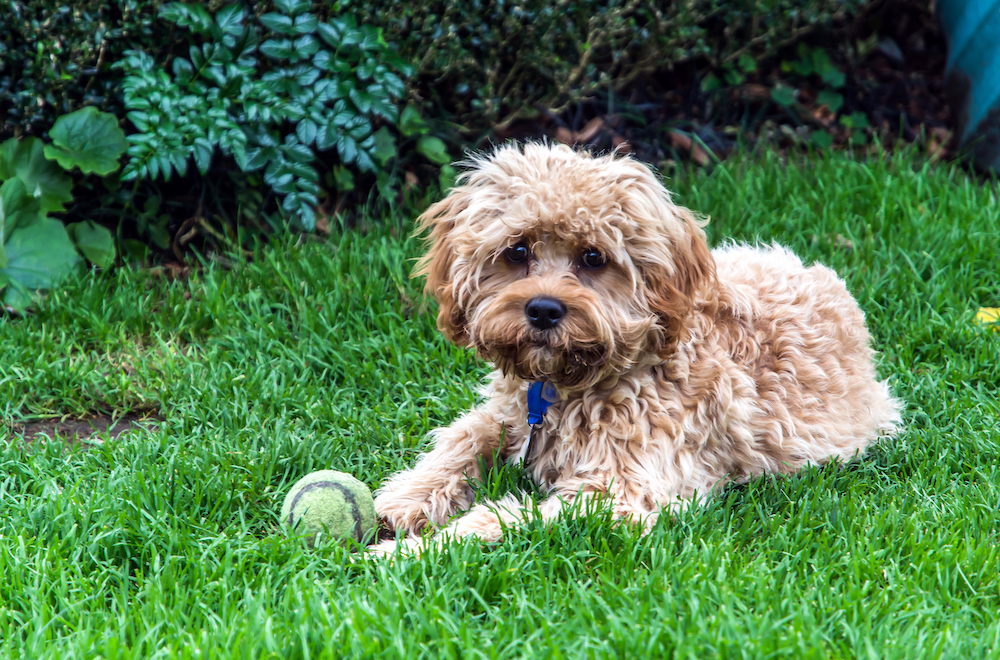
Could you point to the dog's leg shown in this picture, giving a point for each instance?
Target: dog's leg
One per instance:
(438, 486)
(487, 520)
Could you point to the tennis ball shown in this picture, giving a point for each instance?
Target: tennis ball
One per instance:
(329, 503)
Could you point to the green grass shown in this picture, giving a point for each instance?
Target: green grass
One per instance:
(323, 355)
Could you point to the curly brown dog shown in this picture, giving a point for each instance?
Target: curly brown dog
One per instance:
(667, 369)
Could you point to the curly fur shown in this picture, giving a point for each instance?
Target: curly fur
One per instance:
(679, 369)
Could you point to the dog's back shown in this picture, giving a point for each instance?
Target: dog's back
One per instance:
(801, 336)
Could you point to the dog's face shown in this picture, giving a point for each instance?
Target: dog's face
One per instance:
(559, 266)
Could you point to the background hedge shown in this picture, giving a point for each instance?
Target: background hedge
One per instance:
(491, 62)
(358, 101)
(482, 63)
(56, 57)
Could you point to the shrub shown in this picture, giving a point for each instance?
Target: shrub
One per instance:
(272, 103)
(36, 250)
(56, 56)
(491, 62)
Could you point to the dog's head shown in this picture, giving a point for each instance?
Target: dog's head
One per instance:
(556, 265)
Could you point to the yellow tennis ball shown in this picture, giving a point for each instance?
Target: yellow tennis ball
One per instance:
(329, 504)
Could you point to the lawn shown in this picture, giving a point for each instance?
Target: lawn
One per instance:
(312, 355)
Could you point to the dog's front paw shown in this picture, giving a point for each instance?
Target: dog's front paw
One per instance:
(401, 512)
(408, 545)
(412, 505)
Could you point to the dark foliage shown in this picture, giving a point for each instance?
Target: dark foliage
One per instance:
(56, 57)
(490, 62)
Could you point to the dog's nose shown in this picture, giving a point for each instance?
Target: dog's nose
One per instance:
(544, 312)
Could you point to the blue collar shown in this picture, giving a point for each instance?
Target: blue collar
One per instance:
(541, 395)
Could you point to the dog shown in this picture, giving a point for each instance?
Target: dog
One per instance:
(660, 370)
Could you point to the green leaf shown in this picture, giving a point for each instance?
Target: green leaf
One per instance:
(393, 83)
(304, 47)
(202, 152)
(358, 128)
(362, 100)
(411, 123)
(278, 23)
(306, 131)
(447, 178)
(343, 178)
(783, 95)
(384, 148)
(833, 76)
(855, 120)
(326, 136)
(433, 149)
(381, 104)
(832, 100)
(194, 17)
(277, 49)
(40, 254)
(230, 19)
(364, 160)
(324, 61)
(366, 69)
(802, 68)
(43, 179)
(183, 71)
(93, 241)
(18, 209)
(372, 39)
(821, 139)
(298, 204)
(88, 139)
(347, 148)
(15, 296)
(306, 24)
(710, 83)
(342, 114)
(296, 152)
(292, 7)
(197, 57)
(331, 34)
(307, 77)
(747, 63)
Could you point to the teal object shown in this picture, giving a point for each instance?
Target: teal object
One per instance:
(972, 75)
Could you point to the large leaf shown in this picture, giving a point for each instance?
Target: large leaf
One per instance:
(44, 180)
(433, 149)
(15, 296)
(39, 254)
(94, 241)
(18, 209)
(88, 139)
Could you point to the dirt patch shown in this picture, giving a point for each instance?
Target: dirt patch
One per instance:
(90, 431)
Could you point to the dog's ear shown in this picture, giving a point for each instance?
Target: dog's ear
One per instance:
(672, 288)
(437, 224)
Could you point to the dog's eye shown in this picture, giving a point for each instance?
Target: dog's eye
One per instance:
(592, 258)
(517, 254)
